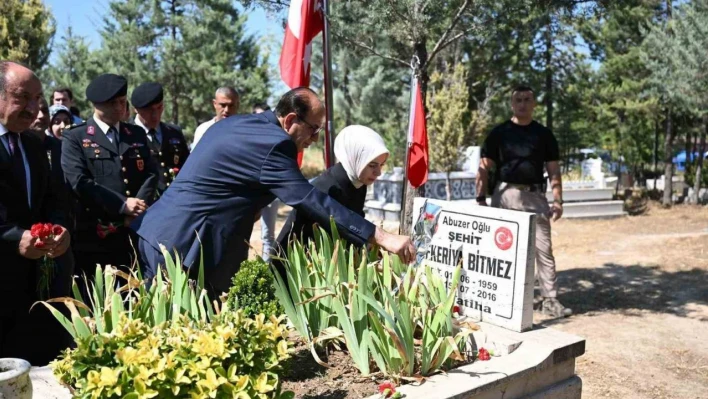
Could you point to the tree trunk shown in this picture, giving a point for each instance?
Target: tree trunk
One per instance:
(410, 193)
(699, 162)
(668, 161)
(174, 78)
(548, 100)
(448, 186)
(656, 151)
(689, 153)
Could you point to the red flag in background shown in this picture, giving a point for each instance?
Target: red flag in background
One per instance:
(305, 21)
(417, 168)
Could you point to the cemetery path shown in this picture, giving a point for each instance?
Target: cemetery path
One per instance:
(639, 288)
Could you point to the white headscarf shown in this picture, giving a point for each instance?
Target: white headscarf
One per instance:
(356, 146)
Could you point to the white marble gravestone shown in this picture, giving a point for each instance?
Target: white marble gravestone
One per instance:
(495, 248)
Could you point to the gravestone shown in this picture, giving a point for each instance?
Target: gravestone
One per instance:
(494, 247)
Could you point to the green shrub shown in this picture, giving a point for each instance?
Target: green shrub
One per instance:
(253, 290)
(232, 356)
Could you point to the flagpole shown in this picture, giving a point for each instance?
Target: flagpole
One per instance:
(328, 89)
(409, 142)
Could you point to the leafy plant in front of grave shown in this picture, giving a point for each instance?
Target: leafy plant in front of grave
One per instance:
(114, 293)
(393, 316)
(252, 290)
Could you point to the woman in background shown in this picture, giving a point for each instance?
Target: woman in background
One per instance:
(60, 120)
(361, 153)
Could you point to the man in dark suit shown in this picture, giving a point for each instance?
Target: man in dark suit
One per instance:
(26, 198)
(110, 170)
(167, 144)
(245, 163)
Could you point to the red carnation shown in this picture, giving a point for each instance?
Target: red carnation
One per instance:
(456, 309)
(387, 389)
(112, 228)
(36, 230)
(483, 354)
(101, 234)
(57, 230)
(175, 170)
(46, 230)
(39, 244)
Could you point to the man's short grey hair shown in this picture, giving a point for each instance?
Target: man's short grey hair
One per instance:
(227, 91)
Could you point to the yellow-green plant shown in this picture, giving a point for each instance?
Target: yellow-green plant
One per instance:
(113, 293)
(231, 356)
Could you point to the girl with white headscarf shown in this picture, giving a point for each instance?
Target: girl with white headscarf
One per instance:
(361, 153)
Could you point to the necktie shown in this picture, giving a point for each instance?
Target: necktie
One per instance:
(154, 143)
(18, 164)
(112, 135)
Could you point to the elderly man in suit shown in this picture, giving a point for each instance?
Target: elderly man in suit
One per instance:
(241, 166)
(26, 198)
(166, 141)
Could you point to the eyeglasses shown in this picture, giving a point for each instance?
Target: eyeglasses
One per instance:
(315, 129)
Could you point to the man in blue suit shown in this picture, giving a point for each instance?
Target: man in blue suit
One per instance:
(240, 167)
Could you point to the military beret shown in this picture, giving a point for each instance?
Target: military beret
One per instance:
(106, 87)
(146, 94)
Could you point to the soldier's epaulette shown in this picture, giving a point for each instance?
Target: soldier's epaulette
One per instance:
(77, 125)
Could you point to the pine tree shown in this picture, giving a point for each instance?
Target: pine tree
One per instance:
(75, 66)
(192, 47)
(448, 127)
(26, 32)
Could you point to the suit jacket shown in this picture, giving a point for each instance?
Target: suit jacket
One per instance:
(171, 153)
(102, 177)
(62, 193)
(335, 183)
(17, 274)
(240, 167)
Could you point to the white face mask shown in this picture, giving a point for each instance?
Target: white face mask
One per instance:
(355, 147)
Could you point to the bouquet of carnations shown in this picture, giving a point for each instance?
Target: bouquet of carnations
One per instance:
(43, 232)
(102, 230)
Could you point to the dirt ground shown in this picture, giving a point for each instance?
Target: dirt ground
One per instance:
(638, 287)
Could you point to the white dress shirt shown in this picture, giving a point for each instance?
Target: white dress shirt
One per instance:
(6, 142)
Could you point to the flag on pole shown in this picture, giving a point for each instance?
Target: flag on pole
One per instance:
(417, 168)
(305, 21)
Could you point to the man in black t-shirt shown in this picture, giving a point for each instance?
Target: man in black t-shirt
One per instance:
(519, 149)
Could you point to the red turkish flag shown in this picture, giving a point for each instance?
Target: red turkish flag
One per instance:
(418, 140)
(305, 21)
